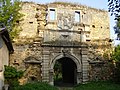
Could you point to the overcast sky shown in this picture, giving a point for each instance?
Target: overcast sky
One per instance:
(100, 4)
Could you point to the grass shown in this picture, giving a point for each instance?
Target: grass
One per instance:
(36, 86)
(88, 86)
(98, 86)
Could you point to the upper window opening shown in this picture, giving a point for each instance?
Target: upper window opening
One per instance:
(77, 16)
(52, 14)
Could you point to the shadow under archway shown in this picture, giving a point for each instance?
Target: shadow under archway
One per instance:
(65, 72)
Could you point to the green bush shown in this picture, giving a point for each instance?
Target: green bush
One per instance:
(11, 76)
(116, 69)
(36, 86)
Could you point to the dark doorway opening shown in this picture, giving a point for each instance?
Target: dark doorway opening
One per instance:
(65, 72)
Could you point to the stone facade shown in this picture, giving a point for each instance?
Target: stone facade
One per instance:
(73, 31)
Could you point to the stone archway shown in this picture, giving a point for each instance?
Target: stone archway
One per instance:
(76, 62)
(65, 71)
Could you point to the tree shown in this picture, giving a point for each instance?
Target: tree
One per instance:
(57, 69)
(117, 28)
(10, 15)
(114, 8)
(116, 59)
(116, 54)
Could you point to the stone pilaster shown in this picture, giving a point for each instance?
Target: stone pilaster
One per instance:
(85, 64)
(45, 66)
(51, 79)
(79, 77)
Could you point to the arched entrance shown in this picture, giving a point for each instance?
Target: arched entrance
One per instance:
(65, 71)
(71, 66)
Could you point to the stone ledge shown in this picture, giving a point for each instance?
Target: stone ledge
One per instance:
(33, 62)
(64, 43)
(96, 62)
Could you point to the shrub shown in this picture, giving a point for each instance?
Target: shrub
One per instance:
(116, 69)
(12, 75)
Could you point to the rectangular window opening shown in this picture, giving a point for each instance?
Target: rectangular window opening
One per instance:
(52, 14)
(77, 16)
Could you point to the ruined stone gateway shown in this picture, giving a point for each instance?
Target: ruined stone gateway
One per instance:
(72, 34)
